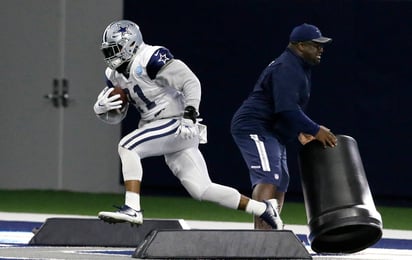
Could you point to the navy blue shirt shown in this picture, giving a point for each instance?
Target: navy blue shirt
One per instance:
(276, 104)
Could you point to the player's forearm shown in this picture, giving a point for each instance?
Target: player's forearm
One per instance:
(178, 75)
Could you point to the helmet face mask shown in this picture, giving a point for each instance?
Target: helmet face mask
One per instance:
(112, 55)
(121, 40)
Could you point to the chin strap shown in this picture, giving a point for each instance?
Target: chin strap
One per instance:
(124, 68)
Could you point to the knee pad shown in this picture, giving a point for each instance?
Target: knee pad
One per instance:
(196, 190)
(223, 195)
(190, 168)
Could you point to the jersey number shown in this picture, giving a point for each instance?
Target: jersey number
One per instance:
(140, 94)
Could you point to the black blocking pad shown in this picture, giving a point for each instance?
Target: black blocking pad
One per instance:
(342, 216)
(94, 232)
(221, 244)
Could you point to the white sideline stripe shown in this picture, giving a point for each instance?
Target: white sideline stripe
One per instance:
(194, 224)
(35, 217)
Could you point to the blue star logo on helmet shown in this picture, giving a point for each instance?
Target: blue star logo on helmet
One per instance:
(122, 29)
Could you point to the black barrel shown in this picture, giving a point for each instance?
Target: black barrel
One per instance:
(341, 213)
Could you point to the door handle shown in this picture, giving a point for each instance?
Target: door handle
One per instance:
(65, 93)
(54, 95)
(60, 93)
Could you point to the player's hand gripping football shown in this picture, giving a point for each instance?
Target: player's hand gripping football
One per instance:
(188, 128)
(105, 102)
(326, 137)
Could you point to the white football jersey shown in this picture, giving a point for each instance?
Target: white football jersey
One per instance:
(159, 86)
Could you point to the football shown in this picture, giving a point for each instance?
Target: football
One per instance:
(122, 93)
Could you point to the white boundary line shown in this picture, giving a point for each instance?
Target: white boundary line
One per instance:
(367, 254)
(195, 224)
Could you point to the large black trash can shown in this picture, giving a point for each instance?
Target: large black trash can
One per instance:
(339, 206)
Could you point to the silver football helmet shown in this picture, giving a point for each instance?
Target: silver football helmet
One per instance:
(121, 39)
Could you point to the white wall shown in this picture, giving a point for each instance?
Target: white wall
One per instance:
(47, 147)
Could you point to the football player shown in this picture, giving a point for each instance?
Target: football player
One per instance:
(167, 94)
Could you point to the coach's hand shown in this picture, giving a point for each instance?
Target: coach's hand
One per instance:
(305, 138)
(326, 137)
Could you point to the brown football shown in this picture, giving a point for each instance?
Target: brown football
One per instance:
(122, 93)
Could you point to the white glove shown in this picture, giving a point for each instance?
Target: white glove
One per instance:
(105, 103)
(187, 129)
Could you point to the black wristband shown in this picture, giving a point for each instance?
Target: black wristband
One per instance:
(190, 113)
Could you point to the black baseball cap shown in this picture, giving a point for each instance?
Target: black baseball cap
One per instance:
(307, 32)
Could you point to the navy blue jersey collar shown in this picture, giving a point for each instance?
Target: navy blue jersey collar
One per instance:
(301, 61)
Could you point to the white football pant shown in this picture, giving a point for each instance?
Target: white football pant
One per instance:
(182, 156)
